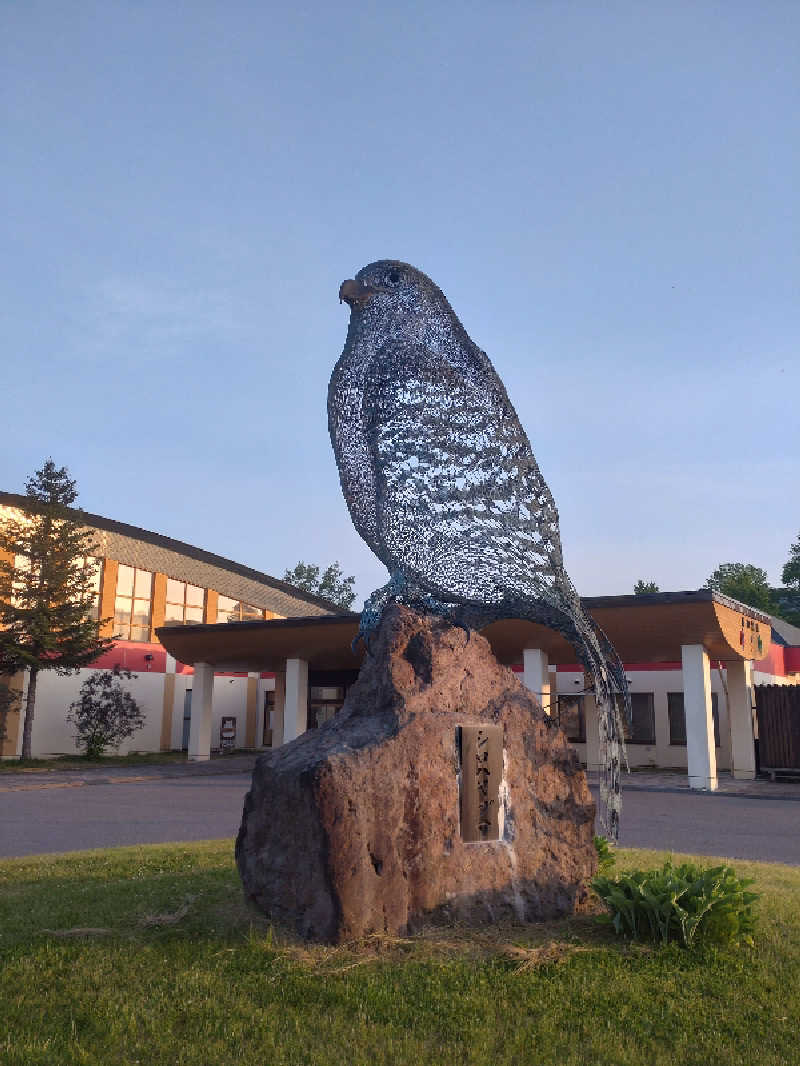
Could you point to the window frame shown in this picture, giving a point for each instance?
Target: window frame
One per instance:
(184, 606)
(240, 607)
(651, 707)
(682, 709)
(565, 698)
(132, 600)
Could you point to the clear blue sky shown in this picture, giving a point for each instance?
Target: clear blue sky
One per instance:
(608, 195)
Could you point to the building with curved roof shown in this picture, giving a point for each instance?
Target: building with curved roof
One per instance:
(228, 656)
(146, 581)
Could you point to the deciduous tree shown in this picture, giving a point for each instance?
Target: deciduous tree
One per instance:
(788, 597)
(744, 582)
(645, 588)
(330, 584)
(791, 570)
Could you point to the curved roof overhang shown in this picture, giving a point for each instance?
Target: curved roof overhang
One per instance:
(643, 629)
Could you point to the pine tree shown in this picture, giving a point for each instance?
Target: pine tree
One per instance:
(46, 587)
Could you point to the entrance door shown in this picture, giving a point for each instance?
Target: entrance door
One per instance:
(187, 719)
(269, 707)
(323, 703)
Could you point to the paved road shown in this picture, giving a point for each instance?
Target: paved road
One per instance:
(736, 827)
(69, 818)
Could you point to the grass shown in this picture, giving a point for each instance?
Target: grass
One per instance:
(147, 955)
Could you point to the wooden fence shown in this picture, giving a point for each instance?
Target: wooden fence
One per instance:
(778, 710)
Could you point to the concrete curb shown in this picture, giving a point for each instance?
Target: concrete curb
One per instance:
(100, 777)
(779, 797)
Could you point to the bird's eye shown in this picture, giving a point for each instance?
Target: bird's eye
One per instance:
(394, 277)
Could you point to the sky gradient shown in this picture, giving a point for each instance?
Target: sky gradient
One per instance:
(608, 198)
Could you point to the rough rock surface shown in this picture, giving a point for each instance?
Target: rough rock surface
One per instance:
(353, 828)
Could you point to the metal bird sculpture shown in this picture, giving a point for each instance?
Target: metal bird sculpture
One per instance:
(442, 484)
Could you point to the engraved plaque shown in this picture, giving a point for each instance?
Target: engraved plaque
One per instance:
(481, 750)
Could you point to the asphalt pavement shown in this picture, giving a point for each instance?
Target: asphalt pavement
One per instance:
(60, 811)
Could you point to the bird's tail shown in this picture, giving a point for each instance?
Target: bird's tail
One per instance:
(606, 676)
(613, 701)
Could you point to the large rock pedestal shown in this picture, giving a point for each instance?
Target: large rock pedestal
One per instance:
(354, 828)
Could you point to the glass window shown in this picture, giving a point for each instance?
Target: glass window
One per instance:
(677, 718)
(132, 604)
(96, 567)
(229, 610)
(143, 585)
(21, 562)
(323, 703)
(176, 591)
(194, 596)
(226, 608)
(184, 603)
(643, 719)
(173, 614)
(122, 611)
(571, 717)
(97, 573)
(125, 580)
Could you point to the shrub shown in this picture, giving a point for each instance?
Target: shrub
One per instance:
(606, 859)
(104, 714)
(684, 903)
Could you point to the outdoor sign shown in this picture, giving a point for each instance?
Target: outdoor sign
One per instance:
(227, 733)
(481, 751)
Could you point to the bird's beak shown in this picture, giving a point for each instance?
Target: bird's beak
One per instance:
(354, 293)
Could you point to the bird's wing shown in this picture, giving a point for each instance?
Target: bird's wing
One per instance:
(353, 457)
(463, 511)
(461, 505)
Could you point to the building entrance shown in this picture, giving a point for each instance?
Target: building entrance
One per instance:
(326, 694)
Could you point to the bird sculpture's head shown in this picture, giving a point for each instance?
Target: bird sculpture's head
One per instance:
(389, 289)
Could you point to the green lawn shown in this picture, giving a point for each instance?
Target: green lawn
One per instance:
(147, 955)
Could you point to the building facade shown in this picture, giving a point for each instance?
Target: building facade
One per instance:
(146, 581)
(692, 661)
(217, 647)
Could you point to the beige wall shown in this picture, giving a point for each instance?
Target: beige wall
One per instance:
(659, 682)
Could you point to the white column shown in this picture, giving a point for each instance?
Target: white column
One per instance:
(295, 708)
(700, 753)
(740, 713)
(202, 704)
(535, 675)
